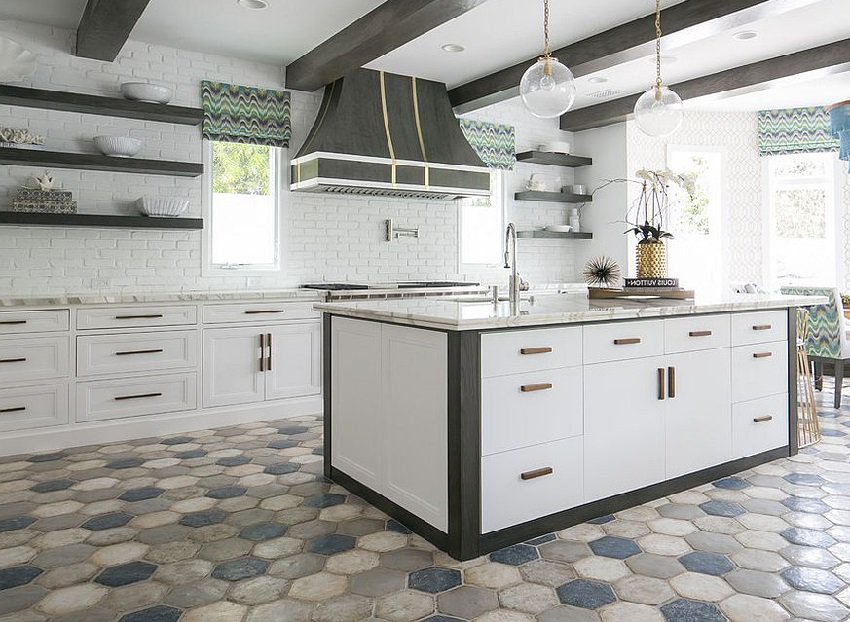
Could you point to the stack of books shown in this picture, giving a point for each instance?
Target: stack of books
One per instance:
(645, 288)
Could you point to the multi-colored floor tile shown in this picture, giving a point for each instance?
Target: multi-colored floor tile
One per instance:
(238, 524)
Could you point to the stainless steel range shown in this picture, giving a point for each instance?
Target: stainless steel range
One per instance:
(391, 291)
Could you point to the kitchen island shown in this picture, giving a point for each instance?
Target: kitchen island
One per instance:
(480, 424)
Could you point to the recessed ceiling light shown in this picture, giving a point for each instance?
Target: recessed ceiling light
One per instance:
(745, 35)
(253, 4)
(597, 80)
(453, 48)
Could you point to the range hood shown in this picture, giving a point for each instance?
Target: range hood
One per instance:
(382, 134)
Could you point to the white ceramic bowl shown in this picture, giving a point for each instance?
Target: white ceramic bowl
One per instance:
(162, 208)
(147, 92)
(117, 146)
(559, 228)
(556, 146)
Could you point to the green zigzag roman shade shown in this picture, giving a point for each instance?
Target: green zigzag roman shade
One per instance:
(242, 114)
(495, 144)
(795, 130)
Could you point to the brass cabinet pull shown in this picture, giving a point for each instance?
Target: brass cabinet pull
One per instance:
(262, 352)
(8, 322)
(762, 355)
(258, 311)
(535, 350)
(762, 327)
(700, 333)
(13, 410)
(269, 345)
(146, 316)
(536, 473)
(763, 419)
(528, 388)
(151, 351)
(671, 382)
(661, 390)
(627, 342)
(15, 360)
(137, 397)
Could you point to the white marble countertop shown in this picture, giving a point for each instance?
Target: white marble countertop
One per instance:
(159, 297)
(474, 314)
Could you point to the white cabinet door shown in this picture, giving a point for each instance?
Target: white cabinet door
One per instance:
(356, 424)
(296, 361)
(624, 426)
(232, 359)
(699, 412)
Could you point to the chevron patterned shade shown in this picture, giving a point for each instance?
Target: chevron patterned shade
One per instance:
(495, 144)
(795, 130)
(242, 114)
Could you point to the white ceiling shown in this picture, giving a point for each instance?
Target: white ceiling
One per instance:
(61, 13)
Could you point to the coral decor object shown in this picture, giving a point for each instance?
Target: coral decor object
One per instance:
(602, 272)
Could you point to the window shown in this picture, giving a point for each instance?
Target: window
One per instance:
(243, 215)
(482, 226)
(801, 222)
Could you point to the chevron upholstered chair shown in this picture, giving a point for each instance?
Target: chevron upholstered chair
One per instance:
(827, 340)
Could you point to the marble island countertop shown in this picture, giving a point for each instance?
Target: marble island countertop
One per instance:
(60, 300)
(477, 314)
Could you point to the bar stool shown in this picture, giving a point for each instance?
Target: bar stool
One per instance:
(808, 427)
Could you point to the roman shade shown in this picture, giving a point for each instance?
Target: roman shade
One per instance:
(795, 130)
(242, 114)
(495, 144)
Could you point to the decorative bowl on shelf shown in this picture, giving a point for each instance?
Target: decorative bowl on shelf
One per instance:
(117, 146)
(559, 228)
(162, 208)
(555, 146)
(574, 189)
(16, 62)
(147, 92)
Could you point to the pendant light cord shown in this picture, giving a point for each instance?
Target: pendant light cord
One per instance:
(658, 44)
(547, 55)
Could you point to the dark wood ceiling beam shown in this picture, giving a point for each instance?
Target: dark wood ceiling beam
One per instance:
(105, 27)
(379, 32)
(683, 23)
(832, 57)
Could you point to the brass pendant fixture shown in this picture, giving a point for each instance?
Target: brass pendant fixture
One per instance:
(658, 112)
(547, 87)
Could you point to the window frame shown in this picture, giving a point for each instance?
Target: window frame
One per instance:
(279, 181)
(502, 191)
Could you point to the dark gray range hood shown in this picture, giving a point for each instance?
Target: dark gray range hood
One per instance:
(382, 134)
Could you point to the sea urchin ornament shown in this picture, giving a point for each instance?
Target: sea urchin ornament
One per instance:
(602, 272)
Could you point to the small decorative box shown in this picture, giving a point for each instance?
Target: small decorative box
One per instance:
(46, 202)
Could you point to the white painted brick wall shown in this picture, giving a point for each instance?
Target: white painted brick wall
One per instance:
(327, 238)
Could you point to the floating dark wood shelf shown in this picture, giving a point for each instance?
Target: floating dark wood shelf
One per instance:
(554, 235)
(33, 219)
(96, 162)
(554, 197)
(552, 159)
(99, 104)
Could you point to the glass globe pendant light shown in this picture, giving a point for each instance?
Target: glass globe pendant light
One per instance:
(547, 88)
(658, 112)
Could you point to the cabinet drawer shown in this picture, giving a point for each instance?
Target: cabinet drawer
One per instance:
(33, 358)
(136, 317)
(529, 350)
(529, 409)
(12, 322)
(33, 407)
(258, 312)
(759, 327)
(759, 425)
(524, 484)
(759, 370)
(132, 397)
(701, 332)
(136, 352)
(623, 340)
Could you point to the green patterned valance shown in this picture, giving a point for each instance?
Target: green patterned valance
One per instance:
(494, 144)
(796, 130)
(241, 114)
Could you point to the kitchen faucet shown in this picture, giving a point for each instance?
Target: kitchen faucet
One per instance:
(515, 283)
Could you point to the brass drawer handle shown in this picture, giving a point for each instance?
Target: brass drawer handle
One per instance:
(763, 419)
(151, 351)
(262, 352)
(661, 390)
(671, 382)
(269, 359)
(9, 322)
(762, 327)
(535, 350)
(536, 473)
(762, 355)
(627, 342)
(528, 388)
(137, 397)
(15, 360)
(700, 333)
(13, 410)
(258, 311)
(146, 316)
